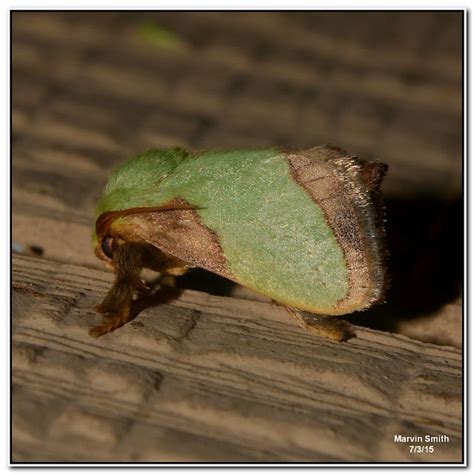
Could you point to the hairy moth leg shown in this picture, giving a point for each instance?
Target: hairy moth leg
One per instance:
(114, 321)
(128, 262)
(324, 326)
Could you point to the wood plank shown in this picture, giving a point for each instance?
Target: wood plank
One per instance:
(208, 378)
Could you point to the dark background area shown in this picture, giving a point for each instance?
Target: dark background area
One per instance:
(92, 89)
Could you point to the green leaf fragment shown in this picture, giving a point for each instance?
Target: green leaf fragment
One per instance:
(160, 36)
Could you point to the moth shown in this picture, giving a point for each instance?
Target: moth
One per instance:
(304, 228)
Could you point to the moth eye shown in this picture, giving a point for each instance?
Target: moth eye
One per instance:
(108, 247)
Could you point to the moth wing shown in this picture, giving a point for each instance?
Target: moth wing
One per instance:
(176, 229)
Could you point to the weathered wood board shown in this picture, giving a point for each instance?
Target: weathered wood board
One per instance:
(209, 378)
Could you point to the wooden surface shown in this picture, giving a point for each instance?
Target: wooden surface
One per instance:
(220, 374)
(214, 378)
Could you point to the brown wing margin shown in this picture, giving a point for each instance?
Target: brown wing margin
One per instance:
(347, 190)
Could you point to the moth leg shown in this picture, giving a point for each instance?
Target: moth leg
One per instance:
(117, 303)
(168, 280)
(168, 266)
(128, 260)
(113, 321)
(324, 326)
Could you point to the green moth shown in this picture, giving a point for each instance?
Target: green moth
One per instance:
(302, 227)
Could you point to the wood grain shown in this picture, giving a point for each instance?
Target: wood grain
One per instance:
(209, 378)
